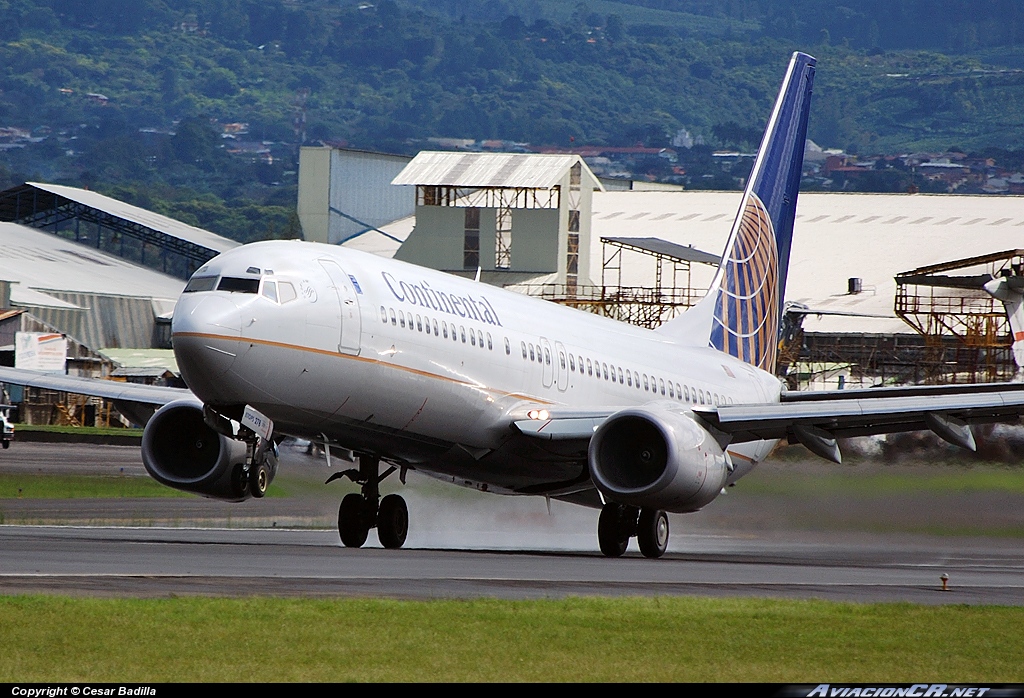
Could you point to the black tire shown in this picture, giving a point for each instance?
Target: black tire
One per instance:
(652, 532)
(7, 444)
(259, 479)
(392, 522)
(611, 534)
(240, 481)
(352, 521)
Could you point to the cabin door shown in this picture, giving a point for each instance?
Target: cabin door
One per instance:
(351, 323)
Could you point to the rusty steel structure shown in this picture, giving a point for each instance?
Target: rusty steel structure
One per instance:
(965, 330)
(644, 306)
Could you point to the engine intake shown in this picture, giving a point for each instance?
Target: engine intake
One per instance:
(658, 458)
(180, 450)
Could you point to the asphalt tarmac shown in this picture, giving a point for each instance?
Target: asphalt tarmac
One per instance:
(464, 544)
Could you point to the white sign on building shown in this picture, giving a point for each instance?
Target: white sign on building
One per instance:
(40, 351)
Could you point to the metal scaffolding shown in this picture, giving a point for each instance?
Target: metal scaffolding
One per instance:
(644, 306)
(965, 330)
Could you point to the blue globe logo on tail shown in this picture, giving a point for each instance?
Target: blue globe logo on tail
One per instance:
(742, 311)
(746, 316)
(750, 286)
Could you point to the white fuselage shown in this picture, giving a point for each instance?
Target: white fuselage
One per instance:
(425, 368)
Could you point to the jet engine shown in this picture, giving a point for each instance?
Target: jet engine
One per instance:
(180, 450)
(657, 458)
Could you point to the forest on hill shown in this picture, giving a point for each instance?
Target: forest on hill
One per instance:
(196, 108)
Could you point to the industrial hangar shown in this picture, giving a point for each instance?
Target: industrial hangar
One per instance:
(885, 285)
(97, 277)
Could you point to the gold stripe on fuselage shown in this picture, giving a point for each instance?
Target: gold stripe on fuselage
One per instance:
(327, 352)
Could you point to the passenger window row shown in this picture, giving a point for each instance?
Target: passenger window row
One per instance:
(421, 323)
(602, 370)
(538, 353)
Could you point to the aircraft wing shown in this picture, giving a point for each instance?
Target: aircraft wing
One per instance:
(111, 390)
(817, 419)
(563, 424)
(845, 413)
(135, 401)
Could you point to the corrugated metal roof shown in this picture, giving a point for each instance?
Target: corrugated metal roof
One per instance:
(499, 170)
(837, 236)
(154, 372)
(35, 261)
(97, 299)
(163, 224)
(669, 249)
(110, 321)
(159, 359)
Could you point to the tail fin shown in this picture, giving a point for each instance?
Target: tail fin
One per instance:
(741, 313)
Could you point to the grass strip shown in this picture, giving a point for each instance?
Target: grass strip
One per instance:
(943, 480)
(91, 431)
(577, 639)
(35, 486)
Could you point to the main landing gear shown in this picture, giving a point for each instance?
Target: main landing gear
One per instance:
(359, 513)
(620, 522)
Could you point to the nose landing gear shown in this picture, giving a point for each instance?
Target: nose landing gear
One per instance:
(253, 477)
(262, 467)
(359, 513)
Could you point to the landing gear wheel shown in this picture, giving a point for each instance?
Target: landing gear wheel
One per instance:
(240, 481)
(259, 479)
(392, 521)
(652, 532)
(611, 531)
(352, 524)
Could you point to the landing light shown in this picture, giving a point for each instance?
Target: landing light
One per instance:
(538, 414)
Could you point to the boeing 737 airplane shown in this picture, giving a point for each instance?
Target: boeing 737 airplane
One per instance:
(388, 363)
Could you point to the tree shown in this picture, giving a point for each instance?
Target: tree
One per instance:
(614, 29)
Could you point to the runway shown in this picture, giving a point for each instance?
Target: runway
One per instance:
(159, 562)
(464, 544)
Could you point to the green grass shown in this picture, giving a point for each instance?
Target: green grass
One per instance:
(846, 479)
(578, 639)
(33, 486)
(92, 431)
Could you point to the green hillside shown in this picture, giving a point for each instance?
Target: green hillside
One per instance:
(132, 97)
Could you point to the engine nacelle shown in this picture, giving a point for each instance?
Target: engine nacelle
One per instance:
(658, 458)
(180, 450)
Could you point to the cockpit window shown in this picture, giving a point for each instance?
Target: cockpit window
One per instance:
(287, 292)
(200, 283)
(270, 290)
(234, 284)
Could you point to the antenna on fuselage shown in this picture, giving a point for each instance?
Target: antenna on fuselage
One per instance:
(477, 277)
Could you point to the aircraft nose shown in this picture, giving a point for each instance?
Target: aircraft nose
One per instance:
(205, 331)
